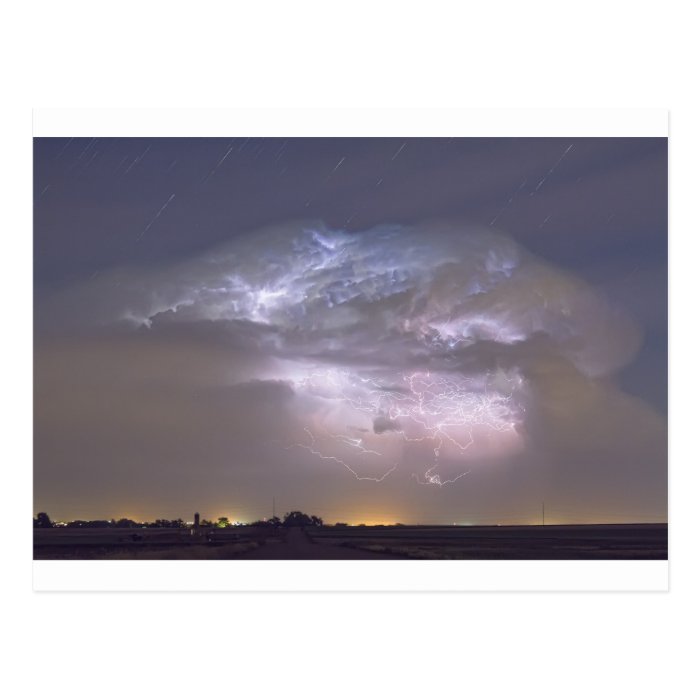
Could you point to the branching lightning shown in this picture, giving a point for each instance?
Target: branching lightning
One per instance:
(438, 409)
(312, 449)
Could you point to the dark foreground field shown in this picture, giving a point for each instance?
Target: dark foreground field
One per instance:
(647, 541)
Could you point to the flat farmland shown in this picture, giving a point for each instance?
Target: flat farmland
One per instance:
(147, 543)
(636, 541)
(640, 541)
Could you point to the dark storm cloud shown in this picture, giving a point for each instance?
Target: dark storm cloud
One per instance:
(282, 321)
(602, 212)
(392, 296)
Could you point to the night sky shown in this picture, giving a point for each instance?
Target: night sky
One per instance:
(372, 330)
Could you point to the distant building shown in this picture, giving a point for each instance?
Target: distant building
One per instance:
(195, 526)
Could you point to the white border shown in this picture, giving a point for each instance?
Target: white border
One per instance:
(351, 646)
(355, 575)
(351, 122)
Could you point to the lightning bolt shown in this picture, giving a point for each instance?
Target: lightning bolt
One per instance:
(439, 406)
(312, 449)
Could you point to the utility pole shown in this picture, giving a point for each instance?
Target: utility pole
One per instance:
(273, 506)
(543, 513)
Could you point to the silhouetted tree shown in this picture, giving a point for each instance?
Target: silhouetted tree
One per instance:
(223, 521)
(125, 522)
(42, 520)
(270, 522)
(164, 522)
(89, 523)
(296, 518)
(78, 523)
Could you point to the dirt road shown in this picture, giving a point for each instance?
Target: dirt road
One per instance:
(298, 545)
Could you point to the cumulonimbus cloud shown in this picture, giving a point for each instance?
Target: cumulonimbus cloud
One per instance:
(423, 347)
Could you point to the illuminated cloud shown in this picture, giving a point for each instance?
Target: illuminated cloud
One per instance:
(389, 296)
(426, 351)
